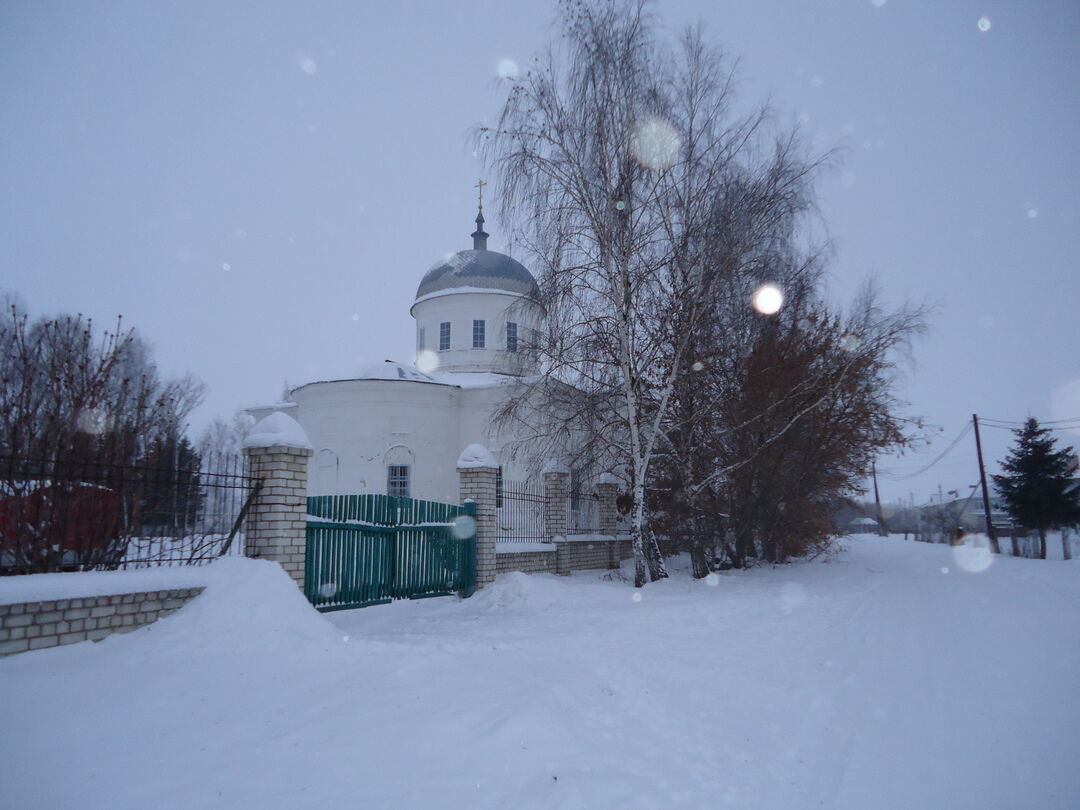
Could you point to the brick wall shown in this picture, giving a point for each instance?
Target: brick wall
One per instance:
(586, 555)
(571, 555)
(528, 562)
(36, 625)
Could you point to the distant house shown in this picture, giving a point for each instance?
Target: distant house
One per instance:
(861, 525)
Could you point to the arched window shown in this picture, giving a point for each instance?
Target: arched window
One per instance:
(399, 468)
(326, 472)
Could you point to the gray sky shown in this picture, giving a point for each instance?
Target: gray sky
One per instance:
(259, 186)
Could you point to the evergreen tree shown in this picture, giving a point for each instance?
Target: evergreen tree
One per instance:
(171, 489)
(1038, 489)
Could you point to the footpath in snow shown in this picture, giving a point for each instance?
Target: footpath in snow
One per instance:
(893, 675)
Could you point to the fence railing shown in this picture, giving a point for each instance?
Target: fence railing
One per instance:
(582, 513)
(66, 514)
(519, 512)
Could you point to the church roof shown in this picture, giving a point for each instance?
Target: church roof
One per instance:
(394, 371)
(479, 269)
(391, 370)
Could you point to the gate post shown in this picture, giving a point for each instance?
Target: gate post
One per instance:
(277, 451)
(607, 487)
(477, 470)
(556, 491)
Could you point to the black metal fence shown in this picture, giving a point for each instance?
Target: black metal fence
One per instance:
(77, 515)
(582, 513)
(519, 511)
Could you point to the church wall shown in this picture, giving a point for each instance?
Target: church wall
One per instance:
(358, 427)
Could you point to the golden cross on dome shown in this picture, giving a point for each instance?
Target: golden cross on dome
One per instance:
(480, 185)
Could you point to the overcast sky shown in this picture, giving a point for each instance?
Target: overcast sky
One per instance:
(259, 186)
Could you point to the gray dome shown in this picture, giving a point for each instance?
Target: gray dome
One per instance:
(485, 269)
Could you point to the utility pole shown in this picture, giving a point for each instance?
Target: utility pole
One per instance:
(877, 500)
(986, 495)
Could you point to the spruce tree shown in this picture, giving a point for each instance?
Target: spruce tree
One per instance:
(1038, 489)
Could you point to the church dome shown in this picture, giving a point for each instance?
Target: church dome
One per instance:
(480, 269)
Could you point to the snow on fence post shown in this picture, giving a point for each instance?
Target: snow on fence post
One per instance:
(556, 491)
(277, 451)
(477, 471)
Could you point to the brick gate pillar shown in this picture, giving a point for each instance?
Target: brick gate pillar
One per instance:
(277, 452)
(607, 488)
(477, 471)
(556, 492)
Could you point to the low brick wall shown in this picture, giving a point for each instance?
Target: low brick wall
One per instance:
(36, 625)
(584, 555)
(567, 556)
(528, 562)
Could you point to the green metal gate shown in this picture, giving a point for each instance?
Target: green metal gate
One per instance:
(369, 549)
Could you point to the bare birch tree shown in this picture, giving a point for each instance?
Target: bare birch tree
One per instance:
(639, 191)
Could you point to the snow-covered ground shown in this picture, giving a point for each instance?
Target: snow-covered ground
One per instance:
(893, 675)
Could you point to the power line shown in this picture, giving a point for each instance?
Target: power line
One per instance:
(1075, 419)
(945, 452)
(1013, 430)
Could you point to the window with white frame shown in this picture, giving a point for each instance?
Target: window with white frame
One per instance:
(420, 340)
(478, 334)
(397, 480)
(444, 336)
(511, 336)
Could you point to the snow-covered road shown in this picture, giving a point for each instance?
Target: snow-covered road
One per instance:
(894, 675)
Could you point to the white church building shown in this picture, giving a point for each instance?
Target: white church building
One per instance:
(398, 429)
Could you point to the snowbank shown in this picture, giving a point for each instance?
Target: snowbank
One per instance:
(248, 604)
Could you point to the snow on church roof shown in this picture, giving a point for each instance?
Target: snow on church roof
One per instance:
(391, 370)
